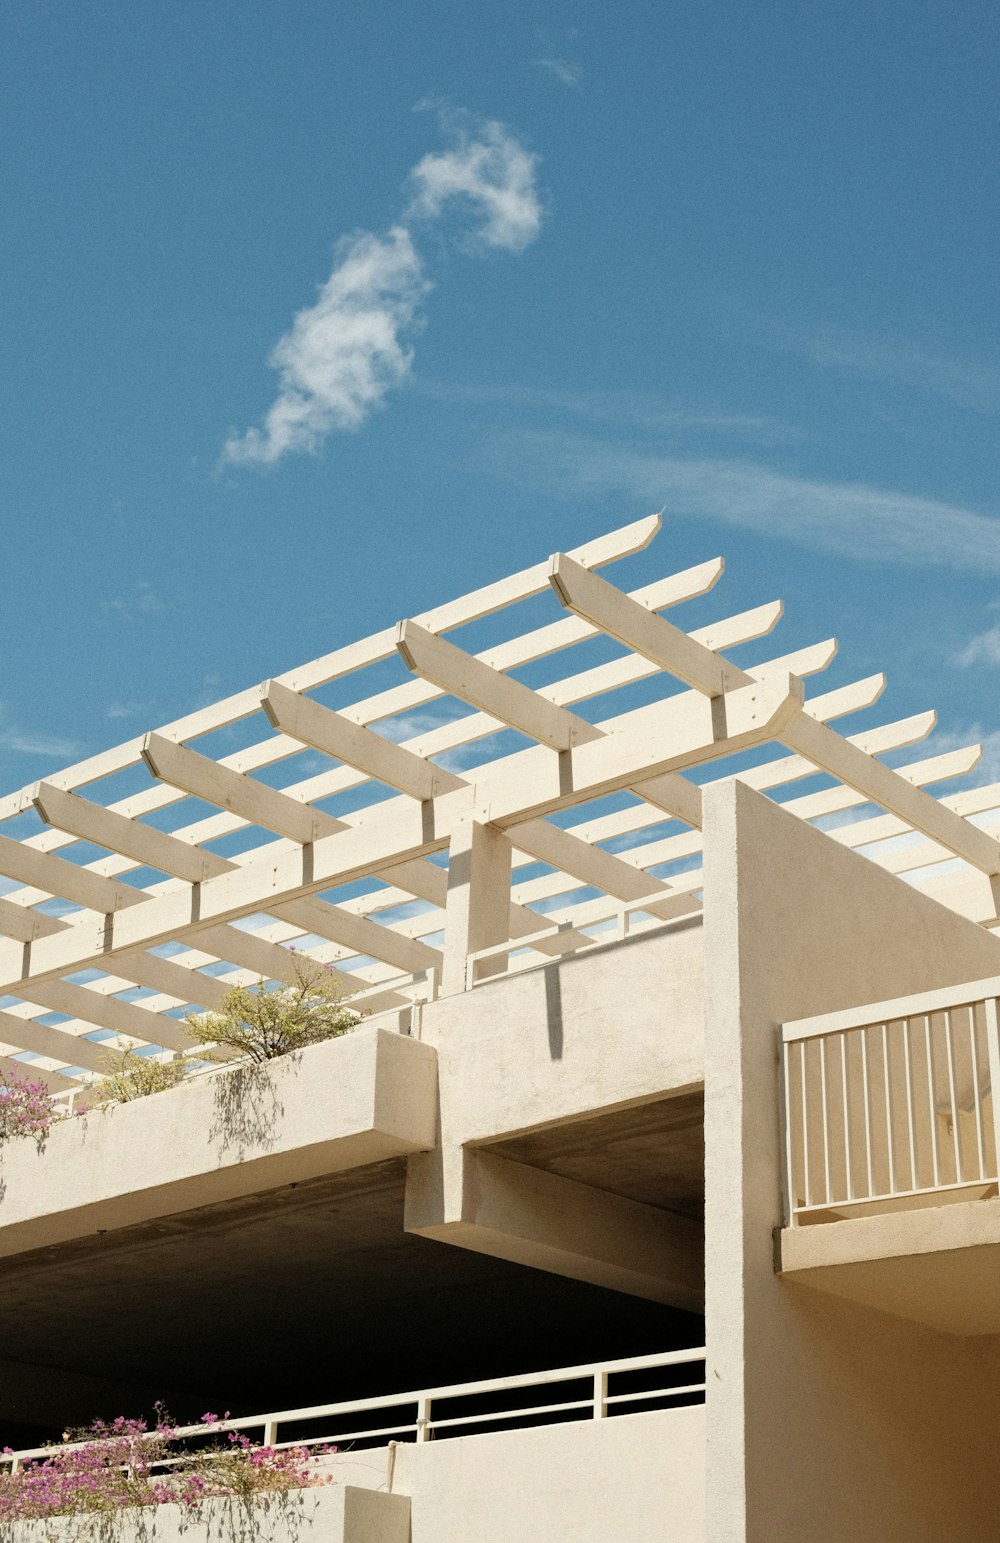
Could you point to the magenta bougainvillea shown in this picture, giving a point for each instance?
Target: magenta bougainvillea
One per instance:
(120, 1463)
(25, 1108)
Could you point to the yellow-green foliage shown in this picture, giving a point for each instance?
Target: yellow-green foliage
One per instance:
(130, 1076)
(262, 1022)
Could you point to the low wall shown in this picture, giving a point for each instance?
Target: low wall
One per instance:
(348, 1102)
(339, 1513)
(633, 1479)
(613, 1027)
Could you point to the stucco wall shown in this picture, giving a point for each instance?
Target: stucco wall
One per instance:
(340, 1513)
(826, 1421)
(351, 1101)
(633, 1479)
(611, 1027)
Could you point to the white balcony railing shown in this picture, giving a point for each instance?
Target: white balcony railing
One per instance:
(596, 1391)
(892, 1106)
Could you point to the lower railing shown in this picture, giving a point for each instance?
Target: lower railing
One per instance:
(892, 1106)
(597, 1391)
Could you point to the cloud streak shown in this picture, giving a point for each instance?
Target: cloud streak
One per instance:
(966, 382)
(982, 649)
(566, 71)
(851, 520)
(344, 354)
(26, 742)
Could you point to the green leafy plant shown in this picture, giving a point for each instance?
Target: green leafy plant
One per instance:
(130, 1076)
(262, 1022)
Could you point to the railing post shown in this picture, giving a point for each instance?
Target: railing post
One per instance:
(477, 908)
(270, 1433)
(993, 1051)
(424, 1417)
(785, 1116)
(600, 1394)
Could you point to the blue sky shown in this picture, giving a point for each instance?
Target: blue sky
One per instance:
(553, 267)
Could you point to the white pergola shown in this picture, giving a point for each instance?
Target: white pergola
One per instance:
(420, 885)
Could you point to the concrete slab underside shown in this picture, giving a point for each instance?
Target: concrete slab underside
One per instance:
(307, 1294)
(939, 1265)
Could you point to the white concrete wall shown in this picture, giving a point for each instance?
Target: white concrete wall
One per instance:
(632, 1479)
(351, 1101)
(615, 1026)
(827, 1422)
(337, 1514)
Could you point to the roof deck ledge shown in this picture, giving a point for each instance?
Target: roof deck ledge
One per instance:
(366, 1097)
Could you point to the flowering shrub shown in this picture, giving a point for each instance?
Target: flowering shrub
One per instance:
(261, 1024)
(25, 1108)
(120, 1463)
(129, 1076)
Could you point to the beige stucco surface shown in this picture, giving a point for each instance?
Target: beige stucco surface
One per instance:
(348, 1102)
(611, 1029)
(632, 1479)
(337, 1513)
(614, 1026)
(827, 1421)
(939, 1265)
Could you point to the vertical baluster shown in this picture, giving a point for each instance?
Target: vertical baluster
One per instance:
(950, 1049)
(600, 1394)
(868, 1111)
(826, 1120)
(889, 1128)
(910, 1119)
(847, 1116)
(805, 1122)
(932, 1100)
(976, 1094)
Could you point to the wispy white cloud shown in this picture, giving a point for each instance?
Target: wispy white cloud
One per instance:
(29, 742)
(982, 649)
(345, 352)
(630, 409)
(566, 71)
(988, 767)
(488, 171)
(852, 520)
(342, 355)
(968, 382)
(119, 710)
(141, 602)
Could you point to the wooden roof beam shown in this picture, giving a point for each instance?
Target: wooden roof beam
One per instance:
(588, 595)
(658, 739)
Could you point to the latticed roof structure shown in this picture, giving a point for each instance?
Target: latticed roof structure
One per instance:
(126, 886)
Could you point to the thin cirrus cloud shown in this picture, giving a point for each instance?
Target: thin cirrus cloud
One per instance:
(27, 742)
(984, 648)
(566, 71)
(345, 353)
(851, 520)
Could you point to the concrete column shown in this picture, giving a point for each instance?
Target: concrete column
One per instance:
(477, 912)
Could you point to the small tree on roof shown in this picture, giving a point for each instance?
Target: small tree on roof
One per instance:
(261, 1022)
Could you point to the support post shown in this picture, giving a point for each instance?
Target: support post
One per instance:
(477, 910)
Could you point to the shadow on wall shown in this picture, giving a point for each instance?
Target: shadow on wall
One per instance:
(553, 1010)
(248, 1109)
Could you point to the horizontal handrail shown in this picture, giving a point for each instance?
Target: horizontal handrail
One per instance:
(895, 1008)
(598, 1401)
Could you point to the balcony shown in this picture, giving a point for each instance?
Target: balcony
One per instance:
(492, 1460)
(892, 1135)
